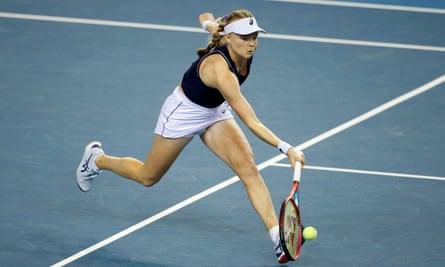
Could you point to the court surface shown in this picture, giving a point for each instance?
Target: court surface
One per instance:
(359, 86)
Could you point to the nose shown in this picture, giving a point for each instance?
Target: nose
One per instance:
(251, 41)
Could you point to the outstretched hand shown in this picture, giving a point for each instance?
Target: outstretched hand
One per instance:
(294, 156)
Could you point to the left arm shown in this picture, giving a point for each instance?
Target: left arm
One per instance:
(208, 22)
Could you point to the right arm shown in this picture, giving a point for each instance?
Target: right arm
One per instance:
(215, 73)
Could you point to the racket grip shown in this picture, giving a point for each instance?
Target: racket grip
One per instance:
(297, 171)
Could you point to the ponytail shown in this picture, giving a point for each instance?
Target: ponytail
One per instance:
(217, 39)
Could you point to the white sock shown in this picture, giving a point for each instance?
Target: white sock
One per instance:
(274, 233)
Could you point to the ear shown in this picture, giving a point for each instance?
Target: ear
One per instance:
(227, 37)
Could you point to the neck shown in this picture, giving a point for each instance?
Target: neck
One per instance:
(240, 62)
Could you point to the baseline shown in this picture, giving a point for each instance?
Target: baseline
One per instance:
(137, 25)
(366, 5)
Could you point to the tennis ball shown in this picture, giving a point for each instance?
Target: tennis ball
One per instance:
(309, 233)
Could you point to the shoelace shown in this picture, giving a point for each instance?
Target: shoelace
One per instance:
(278, 250)
(85, 167)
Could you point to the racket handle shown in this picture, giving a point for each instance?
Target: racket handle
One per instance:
(297, 171)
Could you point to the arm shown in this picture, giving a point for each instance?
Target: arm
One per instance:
(215, 73)
(208, 22)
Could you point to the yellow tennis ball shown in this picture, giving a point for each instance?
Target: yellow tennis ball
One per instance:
(309, 233)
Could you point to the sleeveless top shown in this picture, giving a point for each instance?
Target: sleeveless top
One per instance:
(199, 93)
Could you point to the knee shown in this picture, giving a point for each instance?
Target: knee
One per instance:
(149, 181)
(248, 173)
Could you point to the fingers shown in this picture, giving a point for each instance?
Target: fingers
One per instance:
(300, 156)
(296, 156)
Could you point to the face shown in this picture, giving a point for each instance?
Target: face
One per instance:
(243, 45)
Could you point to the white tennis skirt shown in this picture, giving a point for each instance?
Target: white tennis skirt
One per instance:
(180, 117)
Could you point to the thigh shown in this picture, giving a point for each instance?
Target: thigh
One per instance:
(226, 139)
(163, 153)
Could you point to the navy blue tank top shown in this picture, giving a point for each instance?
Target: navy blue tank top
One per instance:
(195, 89)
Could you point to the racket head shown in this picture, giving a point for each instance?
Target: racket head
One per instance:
(290, 229)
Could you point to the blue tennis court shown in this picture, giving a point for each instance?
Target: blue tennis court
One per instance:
(359, 86)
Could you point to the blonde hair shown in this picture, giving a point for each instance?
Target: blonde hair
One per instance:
(217, 39)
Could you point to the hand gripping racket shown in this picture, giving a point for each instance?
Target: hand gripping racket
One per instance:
(291, 229)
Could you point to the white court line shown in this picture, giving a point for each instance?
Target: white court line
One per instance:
(352, 42)
(136, 25)
(366, 5)
(261, 166)
(99, 22)
(378, 173)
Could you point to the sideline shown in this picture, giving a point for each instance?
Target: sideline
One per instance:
(377, 173)
(271, 162)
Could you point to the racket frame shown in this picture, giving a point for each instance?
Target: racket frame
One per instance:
(292, 199)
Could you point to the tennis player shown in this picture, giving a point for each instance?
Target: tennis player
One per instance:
(202, 105)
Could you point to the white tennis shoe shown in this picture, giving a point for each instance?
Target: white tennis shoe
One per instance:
(87, 169)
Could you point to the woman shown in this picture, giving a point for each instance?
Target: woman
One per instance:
(201, 105)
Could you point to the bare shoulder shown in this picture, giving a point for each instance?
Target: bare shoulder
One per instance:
(214, 61)
(212, 69)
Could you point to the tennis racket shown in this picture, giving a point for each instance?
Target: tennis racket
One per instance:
(291, 229)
